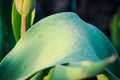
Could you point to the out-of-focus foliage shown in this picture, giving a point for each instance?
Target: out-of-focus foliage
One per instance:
(47, 51)
(1, 33)
(115, 30)
(8, 40)
(102, 77)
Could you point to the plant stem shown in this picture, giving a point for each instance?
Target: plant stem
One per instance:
(23, 25)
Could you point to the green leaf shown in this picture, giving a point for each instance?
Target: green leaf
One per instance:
(78, 70)
(115, 30)
(16, 22)
(105, 76)
(30, 18)
(57, 39)
(39, 75)
(102, 77)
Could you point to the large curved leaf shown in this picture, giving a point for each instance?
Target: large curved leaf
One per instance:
(57, 39)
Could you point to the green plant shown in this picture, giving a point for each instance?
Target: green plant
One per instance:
(115, 30)
(61, 46)
(22, 16)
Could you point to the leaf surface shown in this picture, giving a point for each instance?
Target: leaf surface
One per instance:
(57, 39)
(78, 70)
(115, 29)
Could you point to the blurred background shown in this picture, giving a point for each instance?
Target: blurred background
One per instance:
(97, 12)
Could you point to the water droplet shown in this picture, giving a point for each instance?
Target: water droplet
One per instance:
(40, 36)
(52, 24)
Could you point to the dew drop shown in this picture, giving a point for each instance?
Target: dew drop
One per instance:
(40, 36)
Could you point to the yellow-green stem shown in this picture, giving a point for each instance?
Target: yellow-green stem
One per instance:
(23, 25)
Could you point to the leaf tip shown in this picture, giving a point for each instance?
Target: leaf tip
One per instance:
(112, 59)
